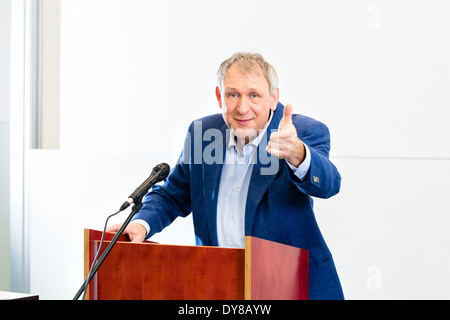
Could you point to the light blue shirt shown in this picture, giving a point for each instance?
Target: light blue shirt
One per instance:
(234, 182)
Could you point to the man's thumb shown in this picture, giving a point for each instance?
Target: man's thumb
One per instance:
(287, 116)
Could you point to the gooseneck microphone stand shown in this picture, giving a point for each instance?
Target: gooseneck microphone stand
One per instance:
(136, 207)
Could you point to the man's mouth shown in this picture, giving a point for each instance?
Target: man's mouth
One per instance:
(243, 121)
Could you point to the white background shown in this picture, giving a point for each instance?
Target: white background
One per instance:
(134, 74)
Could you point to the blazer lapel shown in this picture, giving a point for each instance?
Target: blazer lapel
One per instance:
(211, 178)
(262, 175)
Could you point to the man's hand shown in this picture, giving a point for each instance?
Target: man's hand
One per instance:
(135, 231)
(285, 143)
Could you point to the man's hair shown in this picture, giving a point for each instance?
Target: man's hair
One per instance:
(249, 63)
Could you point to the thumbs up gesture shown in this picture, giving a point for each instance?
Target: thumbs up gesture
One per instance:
(285, 143)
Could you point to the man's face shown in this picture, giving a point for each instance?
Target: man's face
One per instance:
(246, 101)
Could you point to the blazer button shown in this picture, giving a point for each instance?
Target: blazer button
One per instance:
(316, 179)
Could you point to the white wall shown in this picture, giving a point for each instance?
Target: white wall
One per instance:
(71, 191)
(133, 74)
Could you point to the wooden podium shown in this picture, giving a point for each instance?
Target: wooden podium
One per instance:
(264, 270)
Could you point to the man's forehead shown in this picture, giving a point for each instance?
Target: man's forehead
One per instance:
(237, 76)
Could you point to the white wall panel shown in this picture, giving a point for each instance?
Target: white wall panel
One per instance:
(73, 191)
(376, 73)
(388, 228)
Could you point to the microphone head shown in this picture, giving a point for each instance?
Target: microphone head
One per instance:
(164, 169)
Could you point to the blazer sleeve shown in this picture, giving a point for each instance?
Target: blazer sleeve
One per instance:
(323, 179)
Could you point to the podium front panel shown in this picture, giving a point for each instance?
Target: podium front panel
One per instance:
(154, 271)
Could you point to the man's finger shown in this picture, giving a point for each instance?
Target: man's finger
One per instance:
(287, 113)
(287, 117)
(275, 136)
(114, 228)
(275, 151)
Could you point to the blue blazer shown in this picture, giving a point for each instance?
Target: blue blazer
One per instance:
(279, 206)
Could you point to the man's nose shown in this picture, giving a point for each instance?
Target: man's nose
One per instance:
(244, 106)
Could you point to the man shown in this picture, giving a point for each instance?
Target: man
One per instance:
(238, 184)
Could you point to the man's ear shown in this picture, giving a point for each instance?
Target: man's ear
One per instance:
(219, 97)
(275, 97)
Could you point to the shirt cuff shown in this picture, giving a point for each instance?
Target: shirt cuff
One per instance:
(303, 168)
(142, 223)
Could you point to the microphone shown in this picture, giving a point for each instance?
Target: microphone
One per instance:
(159, 173)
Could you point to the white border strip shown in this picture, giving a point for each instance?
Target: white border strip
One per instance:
(25, 119)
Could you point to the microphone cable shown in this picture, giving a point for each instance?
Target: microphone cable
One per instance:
(96, 255)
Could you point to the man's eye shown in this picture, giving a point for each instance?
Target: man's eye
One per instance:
(233, 95)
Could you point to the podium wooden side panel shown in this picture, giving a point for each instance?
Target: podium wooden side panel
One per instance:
(91, 242)
(275, 271)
